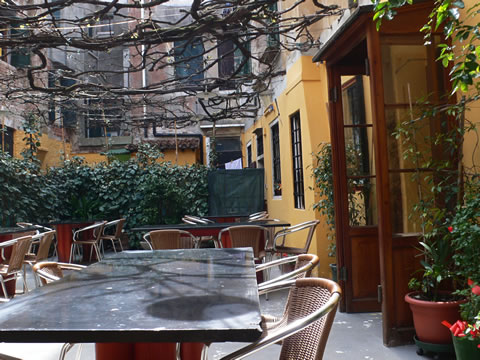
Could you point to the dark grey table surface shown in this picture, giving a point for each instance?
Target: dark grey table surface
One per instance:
(194, 295)
(216, 225)
(16, 230)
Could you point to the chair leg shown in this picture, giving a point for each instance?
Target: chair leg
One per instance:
(113, 245)
(65, 348)
(178, 351)
(204, 355)
(4, 288)
(120, 243)
(24, 278)
(72, 249)
(97, 251)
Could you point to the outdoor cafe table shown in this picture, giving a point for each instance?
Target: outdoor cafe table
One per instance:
(212, 229)
(65, 230)
(188, 295)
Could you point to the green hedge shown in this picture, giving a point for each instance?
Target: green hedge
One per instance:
(142, 190)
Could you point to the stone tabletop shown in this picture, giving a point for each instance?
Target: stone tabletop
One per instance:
(195, 295)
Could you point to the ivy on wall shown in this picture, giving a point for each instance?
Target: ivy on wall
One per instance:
(141, 190)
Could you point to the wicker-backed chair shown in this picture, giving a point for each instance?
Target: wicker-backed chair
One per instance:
(311, 310)
(49, 271)
(93, 241)
(14, 267)
(116, 236)
(246, 236)
(44, 244)
(278, 245)
(170, 239)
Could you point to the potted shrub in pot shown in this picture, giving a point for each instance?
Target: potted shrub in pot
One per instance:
(465, 236)
(434, 299)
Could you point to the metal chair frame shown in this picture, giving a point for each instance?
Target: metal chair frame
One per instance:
(298, 329)
(49, 271)
(196, 220)
(44, 242)
(304, 264)
(115, 237)
(14, 268)
(192, 220)
(94, 243)
(276, 247)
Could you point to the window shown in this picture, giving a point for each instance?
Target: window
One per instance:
(249, 154)
(6, 134)
(277, 175)
(408, 64)
(20, 57)
(273, 39)
(189, 60)
(230, 58)
(64, 110)
(105, 29)
(101, 116)
(298, 192)
(227, 149)
(259, 145)
(68, 107)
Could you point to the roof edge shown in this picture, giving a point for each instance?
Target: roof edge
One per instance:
(362, 9)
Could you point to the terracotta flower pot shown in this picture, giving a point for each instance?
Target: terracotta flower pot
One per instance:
(428, 317)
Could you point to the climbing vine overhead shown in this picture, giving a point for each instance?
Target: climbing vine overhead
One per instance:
(80, 55)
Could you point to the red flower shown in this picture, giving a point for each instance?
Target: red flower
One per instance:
(462, 329)
(475, 287)
(450, 228)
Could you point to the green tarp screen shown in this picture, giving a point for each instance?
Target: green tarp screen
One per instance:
(235, 192)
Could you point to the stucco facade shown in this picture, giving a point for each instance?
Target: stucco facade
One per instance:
(305, 93)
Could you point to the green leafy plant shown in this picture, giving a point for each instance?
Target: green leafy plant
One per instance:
(85, 208)
(323, 177)
(142, 190)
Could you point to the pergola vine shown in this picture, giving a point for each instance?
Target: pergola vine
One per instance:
(156, 36)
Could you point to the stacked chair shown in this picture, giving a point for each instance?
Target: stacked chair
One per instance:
(192, 220)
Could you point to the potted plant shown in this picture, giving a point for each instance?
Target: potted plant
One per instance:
(465, 238)
(434, 299)
(466, 338)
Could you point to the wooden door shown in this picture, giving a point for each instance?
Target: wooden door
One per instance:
(355, 176)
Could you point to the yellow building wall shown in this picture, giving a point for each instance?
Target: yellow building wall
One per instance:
(306, 92)
(471, 150)
(50, 151)
(184, 157)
